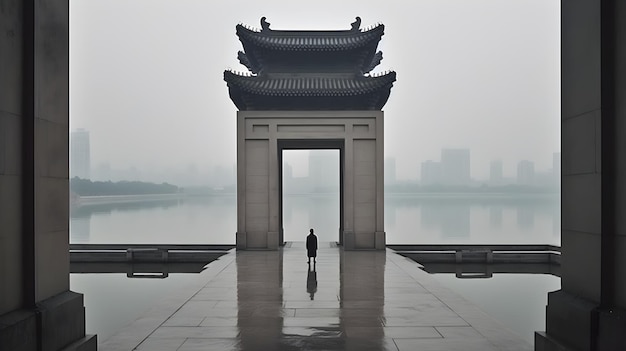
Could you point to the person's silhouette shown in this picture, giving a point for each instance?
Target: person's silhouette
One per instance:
(311, 246)
(311, 281)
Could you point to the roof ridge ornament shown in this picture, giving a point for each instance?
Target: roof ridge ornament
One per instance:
(265, 25)
(356, 25)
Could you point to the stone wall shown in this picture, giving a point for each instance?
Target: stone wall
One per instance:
(588, 313)
(37, 310)
(10, 155)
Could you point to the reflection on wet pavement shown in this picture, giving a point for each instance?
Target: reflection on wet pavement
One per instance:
(349, 300)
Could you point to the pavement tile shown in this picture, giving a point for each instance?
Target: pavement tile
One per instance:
(444, 345)
(195, 332)
(193, 344)
(158, 344)
(459, 332)
(183, 322)
(392, 332)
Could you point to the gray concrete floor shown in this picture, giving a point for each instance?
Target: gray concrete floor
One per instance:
(272, 300)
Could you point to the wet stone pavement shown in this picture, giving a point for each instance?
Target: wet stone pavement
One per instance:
(349, 300)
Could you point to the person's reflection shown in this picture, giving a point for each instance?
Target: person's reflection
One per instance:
(311, 281)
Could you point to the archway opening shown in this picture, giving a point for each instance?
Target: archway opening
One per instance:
(310, 194)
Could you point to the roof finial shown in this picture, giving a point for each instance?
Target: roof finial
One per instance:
(265, 25)
(356, 24)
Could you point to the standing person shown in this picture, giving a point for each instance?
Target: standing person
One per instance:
(311, 246)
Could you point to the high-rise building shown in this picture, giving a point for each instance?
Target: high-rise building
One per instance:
(390, 170)
(525, 172)
(287, 178)
(455, 167)
(495, 173)
(324, 170)
(80, 159)
(431, 173)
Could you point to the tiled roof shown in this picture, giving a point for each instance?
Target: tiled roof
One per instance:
(309, 70)
(310, 40)
(310, 85)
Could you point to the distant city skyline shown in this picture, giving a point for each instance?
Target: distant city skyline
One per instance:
(153, 169)
(325, 163)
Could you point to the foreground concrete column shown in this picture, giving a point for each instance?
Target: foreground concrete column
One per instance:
(261, 137)
(37, 310)
(588, 313)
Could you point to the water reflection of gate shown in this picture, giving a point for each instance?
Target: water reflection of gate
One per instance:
(138, 270)
(482, 261)
(346, 310)
(470, 271)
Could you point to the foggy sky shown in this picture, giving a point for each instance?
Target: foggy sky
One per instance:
(146, 77)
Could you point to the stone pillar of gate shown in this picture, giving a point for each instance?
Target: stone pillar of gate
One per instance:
(589, 311)
(258, 180)
(37, 309)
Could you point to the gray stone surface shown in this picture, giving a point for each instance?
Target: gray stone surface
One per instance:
(88, 343)
(581, 203)
(51, 140)
(611, 326)
(580, 53)
(60, 323)
(52, 62)
(580, 263)
(17, 331)
(11, 56)
(10, 153)
(53, 264)
(51, 148)
(544, 342)
(581, 134)
(570, 318)
(10, 136)
(62, 320)
(593, 53)
(620, 272)
(10, 244)
(3, 144)
(620, 110)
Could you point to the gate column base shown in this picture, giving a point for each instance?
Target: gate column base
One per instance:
(240, 240)
(381, 240)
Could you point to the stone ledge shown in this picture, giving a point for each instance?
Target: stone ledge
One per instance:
(611, 327)
(543, 342)
(18, 330)
(62, 320)
(88, 343)
(571, 320)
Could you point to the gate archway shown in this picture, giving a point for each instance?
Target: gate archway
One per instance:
(310, 89)
(261, 138)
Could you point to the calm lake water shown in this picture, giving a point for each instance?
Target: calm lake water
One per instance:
(518, 301)
(417, 219)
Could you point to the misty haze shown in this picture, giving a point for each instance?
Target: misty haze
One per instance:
(475, 110)
(478, 75)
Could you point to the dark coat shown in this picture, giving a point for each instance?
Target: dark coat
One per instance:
(311, 245)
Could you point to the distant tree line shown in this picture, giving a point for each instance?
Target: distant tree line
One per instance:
(483, 189)
(85, 187)
(207, 190)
